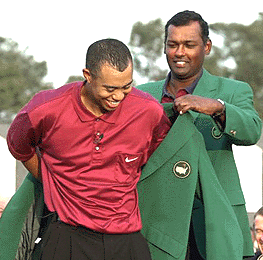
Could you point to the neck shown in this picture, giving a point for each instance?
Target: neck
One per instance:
(88, 102)
(177, 83)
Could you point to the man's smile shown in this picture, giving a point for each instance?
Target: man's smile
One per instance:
(113, 104)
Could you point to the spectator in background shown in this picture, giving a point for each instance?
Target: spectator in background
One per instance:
(258, 231)
(3, 203)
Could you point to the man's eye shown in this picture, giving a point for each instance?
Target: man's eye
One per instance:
(190, 46)
(110, 89)
(258, 231)
(127, 87)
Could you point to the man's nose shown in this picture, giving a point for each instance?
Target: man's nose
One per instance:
(180, 51)
(118, 95)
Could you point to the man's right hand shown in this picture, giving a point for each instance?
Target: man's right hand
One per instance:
(33, 166)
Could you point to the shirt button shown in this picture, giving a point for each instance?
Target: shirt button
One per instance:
(97, 148)
(97, 119)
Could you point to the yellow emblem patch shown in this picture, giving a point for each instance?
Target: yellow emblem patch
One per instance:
(182, 169)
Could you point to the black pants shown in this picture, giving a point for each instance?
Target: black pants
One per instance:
(65, 242)
(192, 249)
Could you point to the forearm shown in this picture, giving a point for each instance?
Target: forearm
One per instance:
(33, 166)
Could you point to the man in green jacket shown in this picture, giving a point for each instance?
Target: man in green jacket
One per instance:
(222, 109)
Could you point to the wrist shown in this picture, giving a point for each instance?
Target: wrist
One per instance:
(218, 114)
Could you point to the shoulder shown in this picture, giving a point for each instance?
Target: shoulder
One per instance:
(148, 87)
(140, 95)
(225, 82)
(46, 97)
(139, 100)
(232, 82)
(153, 88)
(227, 89)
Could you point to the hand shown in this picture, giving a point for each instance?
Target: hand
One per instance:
(33, 166)
(198, 104)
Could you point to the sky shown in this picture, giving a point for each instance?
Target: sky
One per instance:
(59, 32)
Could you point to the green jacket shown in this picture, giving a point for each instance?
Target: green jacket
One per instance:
(243, 127)
(21, 220)
(167, 190)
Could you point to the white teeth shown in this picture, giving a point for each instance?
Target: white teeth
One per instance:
(114, 102)
(180, 62)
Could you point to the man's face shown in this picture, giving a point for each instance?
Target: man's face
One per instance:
(259, 231)
(108, 89)
(185, 50)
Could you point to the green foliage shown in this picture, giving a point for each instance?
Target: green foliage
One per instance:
(243, 44)
(20, 78)
(75, 78)
(146, 43)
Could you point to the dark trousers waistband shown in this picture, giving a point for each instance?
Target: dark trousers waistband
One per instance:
(63, 241)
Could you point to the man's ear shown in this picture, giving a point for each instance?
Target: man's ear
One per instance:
(87, 75)
(164, 48)
(208, 47)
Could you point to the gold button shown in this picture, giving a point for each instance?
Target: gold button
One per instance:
(233, 132)
(216, 133)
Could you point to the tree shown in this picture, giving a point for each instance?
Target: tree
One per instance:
(20, 78)
(74, 78)
(243, 45)
(146, 43)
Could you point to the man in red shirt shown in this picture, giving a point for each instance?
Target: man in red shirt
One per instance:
(87, 142)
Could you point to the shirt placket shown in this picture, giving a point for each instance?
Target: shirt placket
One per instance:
(98, 141)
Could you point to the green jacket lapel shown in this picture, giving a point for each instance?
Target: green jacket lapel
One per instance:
(206, 86)
(179, 134)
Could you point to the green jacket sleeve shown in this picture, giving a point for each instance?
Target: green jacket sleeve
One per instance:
(242, 120)
(20, 221)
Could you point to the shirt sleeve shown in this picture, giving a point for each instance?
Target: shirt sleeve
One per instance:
(22, 137)
(160, 131)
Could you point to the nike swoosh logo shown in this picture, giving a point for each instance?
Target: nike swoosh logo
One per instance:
(130, 160)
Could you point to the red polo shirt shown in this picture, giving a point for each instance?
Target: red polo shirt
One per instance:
(90, 165)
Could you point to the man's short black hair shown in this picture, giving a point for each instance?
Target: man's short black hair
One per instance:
(111, 51)
(185, 18)
(258, 213)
